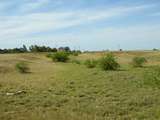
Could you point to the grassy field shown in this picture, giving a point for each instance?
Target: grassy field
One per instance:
(68, 91)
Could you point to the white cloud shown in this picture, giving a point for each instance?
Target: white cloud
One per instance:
(33, 5)
(133, 37)
(16, 27)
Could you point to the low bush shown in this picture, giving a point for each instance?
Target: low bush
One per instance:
(22, 67)
(138, 61)
(60, 56)
(152, 77)
(76, 61)
(76, 52)
(108, 62)
(49, 55)
(90, 63)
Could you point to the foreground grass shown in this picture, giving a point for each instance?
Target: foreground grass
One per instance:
(59, 91)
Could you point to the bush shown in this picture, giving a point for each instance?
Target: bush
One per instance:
(76, 52)
(76, 62)
(90, 63)
(22, 67)
(108, 62)
(152, 77)
(49, 55)
(60, 56)
(138, 61)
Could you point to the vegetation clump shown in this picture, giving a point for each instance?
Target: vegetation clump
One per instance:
(49, 55)
(108, 62)
(22, 67)
(76, 52)
(90, 63)
(60, 56)
(76, 61)
(138, 61)
(152, 77)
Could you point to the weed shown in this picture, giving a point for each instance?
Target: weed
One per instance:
(76, 61)
(90, 63)
(22, 67)
(152, 77)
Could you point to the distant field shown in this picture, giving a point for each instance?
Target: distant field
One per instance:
(68, 91)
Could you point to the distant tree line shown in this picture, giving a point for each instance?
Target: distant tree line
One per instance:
(36, 48)
(14, 50)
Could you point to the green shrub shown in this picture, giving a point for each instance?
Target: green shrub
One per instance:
(49, 55)
(138, 61)
(76, 61)
(60, 56)
(75, 53)
(22, 67)
(90, 63)
(152, 77)
(108, 62)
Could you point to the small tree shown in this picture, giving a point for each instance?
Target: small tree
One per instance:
(25, 48)
(60, 56)
(108, 62)
(22, 67)
(138, 61)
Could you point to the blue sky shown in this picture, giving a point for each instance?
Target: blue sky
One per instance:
(85, 24)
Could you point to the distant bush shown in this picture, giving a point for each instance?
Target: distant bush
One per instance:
(108, 62)
(76, 52)
(76, 61)
(60, 56)
(36, 48)
(155, 49)
(138, 61)
(22, 67)
(90, 63)
(152, 77)
(49, 55)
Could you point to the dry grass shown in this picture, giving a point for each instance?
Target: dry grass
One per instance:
(66, 91)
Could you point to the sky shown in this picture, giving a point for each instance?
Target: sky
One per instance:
(81, 24)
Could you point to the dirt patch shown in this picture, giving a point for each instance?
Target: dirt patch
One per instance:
(29, 57)
(4, 69)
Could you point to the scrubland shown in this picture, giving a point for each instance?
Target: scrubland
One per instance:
(70, 91)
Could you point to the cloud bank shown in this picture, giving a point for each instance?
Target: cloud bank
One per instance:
(34, 21)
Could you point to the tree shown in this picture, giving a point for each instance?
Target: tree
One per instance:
(25, 48)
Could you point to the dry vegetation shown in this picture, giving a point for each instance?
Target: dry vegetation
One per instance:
(67, 91)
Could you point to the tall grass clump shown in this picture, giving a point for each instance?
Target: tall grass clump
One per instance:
(22, 67)
(49, 55)
(76, 61)
(90, 63)
(60, 56)
(76, 52)
(138, 61)
(152, 77)
(108, 62)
